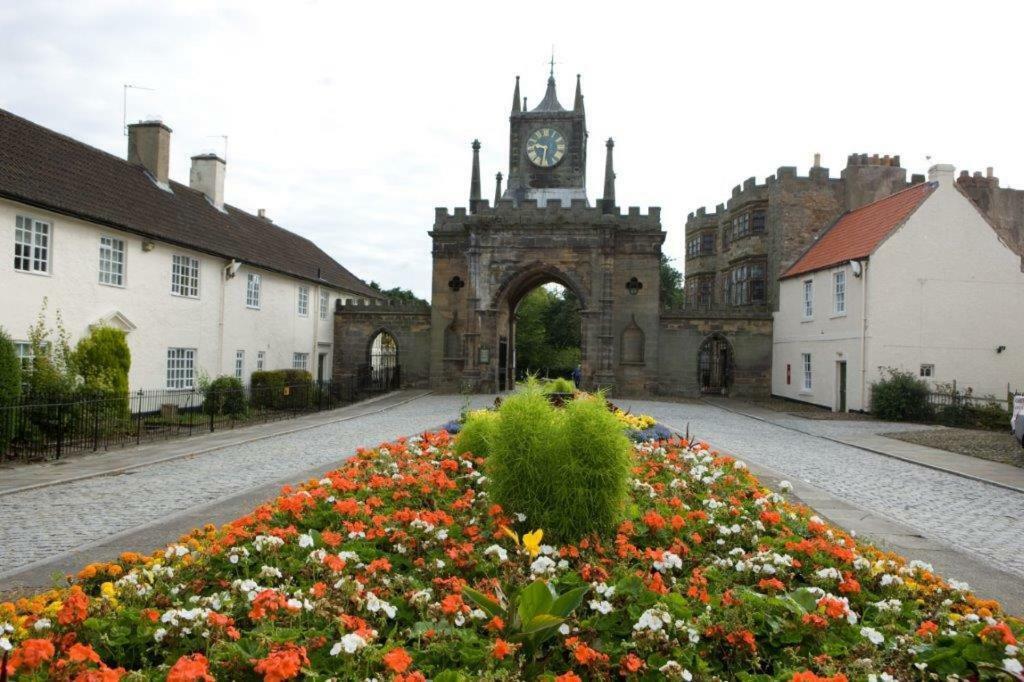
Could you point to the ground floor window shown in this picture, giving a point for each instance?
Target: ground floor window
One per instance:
(239, 364)
(927, 370)
(181, 368)
(261, 358)
(300, 361)
(806, 362)
(25, 355)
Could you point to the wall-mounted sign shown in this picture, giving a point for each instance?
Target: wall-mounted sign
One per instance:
(484, 355)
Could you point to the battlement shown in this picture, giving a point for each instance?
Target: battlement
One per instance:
(380, 305)
(873, 160)
(528, 213)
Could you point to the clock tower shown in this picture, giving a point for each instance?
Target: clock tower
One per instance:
(547, 149)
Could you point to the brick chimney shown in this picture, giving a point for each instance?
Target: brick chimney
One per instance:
(149, 146)
(207, 176)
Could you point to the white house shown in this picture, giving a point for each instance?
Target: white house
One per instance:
(918, 281)
(199, 285)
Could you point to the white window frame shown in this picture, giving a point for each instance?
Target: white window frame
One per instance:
(261, 359)
(33, 245)
(300, 361)
(253, 290)
(181, 369)
(184, 276)
(239, 364)
(25, 355)
(325, 303)
(927, 370)
(113, 261)
(806, 364)
(303, 301)
(808, 299)
(839, 292)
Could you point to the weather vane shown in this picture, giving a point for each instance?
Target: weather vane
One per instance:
(552, 61)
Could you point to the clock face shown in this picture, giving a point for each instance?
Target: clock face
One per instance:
(545, 147)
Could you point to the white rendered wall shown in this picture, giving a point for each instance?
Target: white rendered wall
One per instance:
(944, 290)
(216, 324)
(828, 336)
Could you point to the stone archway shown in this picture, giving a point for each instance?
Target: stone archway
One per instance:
(506, 301)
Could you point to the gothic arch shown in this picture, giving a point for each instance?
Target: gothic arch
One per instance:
(631, 344)
(373, 338)
(453, 340)
(529, 277)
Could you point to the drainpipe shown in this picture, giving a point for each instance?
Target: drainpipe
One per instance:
(314, 357)
(863, 332)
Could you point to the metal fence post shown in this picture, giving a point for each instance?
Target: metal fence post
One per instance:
(60, 428)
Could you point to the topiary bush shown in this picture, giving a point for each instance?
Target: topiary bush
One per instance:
(901, 396)
(225, 396)
(268, 389)
(475, 435)
(565, 469)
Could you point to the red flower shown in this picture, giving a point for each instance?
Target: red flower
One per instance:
(568, 677)
(32, 653)
(75, 608)
(79, 653)
(771, 584)
(927, 628)
(282, 663)
(654, 520)
(194, 668)
(631, 663)
(501, 649)
(398, 660)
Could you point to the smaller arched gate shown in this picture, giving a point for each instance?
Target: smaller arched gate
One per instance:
(381, 371)
(714, 365)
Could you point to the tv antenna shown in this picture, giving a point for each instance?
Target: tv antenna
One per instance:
(225, 138)
(124, 104)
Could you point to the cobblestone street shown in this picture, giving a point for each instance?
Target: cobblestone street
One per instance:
(985, 521)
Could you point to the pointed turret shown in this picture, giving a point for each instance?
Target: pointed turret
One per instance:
(497, 188)
(577, 105)
(608, 200)
(550, 101)
(515, 98)
(474, 182)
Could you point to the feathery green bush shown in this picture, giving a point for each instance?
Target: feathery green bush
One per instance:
(476, 433)
(10, 388)
(565, 469)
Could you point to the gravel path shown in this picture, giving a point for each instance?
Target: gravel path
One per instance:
(995, 446)
(38, 524)
(980, 519)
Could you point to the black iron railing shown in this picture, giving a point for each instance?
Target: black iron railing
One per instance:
(35, 430)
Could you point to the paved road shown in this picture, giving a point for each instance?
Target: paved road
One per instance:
(980, 519)
(44, 523)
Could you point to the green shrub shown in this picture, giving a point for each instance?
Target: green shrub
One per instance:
(102, 359)
(560, 385)
(477, 433)
(269, 389)
(565, 469)
(901, 396)
(990, 416)
(225, 396)
(10, 388)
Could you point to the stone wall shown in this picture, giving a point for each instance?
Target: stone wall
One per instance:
(356, 325)
(1003, 206)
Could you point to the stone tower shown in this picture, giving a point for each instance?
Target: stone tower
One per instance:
(547, 149)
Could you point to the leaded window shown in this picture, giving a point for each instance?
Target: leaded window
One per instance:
(747, 284)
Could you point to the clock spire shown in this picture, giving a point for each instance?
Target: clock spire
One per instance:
(474, 182)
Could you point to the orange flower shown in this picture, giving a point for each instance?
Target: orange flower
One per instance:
(451, 604)
(495, 624)
(1001, 629)
(927, 628)
(808, 676)
(587, 656)
(32, 653)
(771, 584)
(568, 677)
(193, 668)
(79, 653)
(501, 649)
(631, 663)
(75, 608)
(849, 585)
(398, 660)
(771, 517)
(283, 663)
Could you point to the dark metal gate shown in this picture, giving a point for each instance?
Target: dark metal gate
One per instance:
(714, 365)
(382, 372)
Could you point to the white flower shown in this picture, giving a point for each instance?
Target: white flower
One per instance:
(675, 671)
(1011, 650)
(498, 551)
(542, 565)
(373, 605)
(884, 677)
(5, 644)
(350, 644)
(563, 628)
(653, 620)
(160, 634)
(603, 607)
(270, 572)
(44, 623)
(873, 635)
(306, 540)
(829, 573)
(668, 562)
(785, 486)
(1012, 665)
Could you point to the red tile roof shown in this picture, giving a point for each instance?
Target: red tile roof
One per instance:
(43, 168)
(856, 234)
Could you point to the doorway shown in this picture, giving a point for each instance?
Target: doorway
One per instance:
(321, 367)
(714, 365)
(841, 384)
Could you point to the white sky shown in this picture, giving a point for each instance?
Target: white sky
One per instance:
(350, 122)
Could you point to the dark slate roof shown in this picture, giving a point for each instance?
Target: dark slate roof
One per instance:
(43, 168)
(550, 101)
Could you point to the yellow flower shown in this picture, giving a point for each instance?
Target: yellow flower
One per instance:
(511, 533)
(531, 542)
(107, 590)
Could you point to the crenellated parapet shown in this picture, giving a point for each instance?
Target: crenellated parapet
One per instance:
(528, 214)
(381, 306)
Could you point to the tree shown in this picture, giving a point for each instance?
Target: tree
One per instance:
(671, 284)
(10, 387)
(52, 375)
(103, 359)
(397, 293)
(548, 332)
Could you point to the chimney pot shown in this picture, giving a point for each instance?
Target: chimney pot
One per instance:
(262, 213)
(941, 173)
(207, 176)
(989, 172)
(149, 146)
(817, 160)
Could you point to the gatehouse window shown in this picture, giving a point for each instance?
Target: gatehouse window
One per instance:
(747, 223)
(702, 288)
(701, 245)
(31, 245)
(747, 284)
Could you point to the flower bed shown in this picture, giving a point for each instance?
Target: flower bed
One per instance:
(361, 575)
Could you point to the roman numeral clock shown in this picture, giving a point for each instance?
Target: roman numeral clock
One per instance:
(545, 147)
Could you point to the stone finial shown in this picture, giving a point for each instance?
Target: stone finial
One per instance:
(578, 102)
(474, 182)
(497, 188)
(817, 160)
(608, 199)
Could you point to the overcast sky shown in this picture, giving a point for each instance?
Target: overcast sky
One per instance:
(350, 122)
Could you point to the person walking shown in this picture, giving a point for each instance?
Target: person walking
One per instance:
(577, 376)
